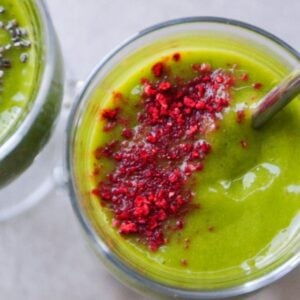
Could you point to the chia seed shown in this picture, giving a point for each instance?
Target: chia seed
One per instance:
(17, 37)
(24, 57)
(5, 63)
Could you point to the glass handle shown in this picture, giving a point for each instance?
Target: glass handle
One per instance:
(72, 89)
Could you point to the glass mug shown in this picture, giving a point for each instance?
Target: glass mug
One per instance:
(159, 284)
(19, 150)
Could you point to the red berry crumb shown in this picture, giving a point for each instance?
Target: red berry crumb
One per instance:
(173, 119)
(205, 67)
(257, 86)
(164, 86)
(128, 227)
(244, 77)
(110, 114)
(240, 116)
(111, 117)
(179, 224)
(176, 56)
(158, 69)
(127, 133)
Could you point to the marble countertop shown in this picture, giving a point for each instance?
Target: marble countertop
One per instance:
(42, 252)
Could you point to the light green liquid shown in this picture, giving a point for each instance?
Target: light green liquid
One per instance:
(22, 79)
(251, 197)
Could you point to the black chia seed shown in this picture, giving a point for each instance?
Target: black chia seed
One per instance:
(18, 40)
(24, 57)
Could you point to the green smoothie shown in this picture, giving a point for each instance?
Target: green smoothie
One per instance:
(30, 84)
(246, 200)
(20, 81)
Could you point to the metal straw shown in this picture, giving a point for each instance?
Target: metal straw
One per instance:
(276, 99)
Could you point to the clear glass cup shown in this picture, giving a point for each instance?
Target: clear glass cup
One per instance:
(217, 287)
(22, 169)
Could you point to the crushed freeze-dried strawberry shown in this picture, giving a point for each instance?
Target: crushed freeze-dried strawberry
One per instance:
(127, 133)
(110, 114)
(257, 85)
(176, 56)
(158, 69)
(240, 116)
(244, 77)
(148, 186)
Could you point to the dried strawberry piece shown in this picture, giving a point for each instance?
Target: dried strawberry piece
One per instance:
(205, 67)
(106, 151)
(162, 100)
(189, 102)
(141, 211)
(152, 138)
(164, 86)
(176, 56)
(244, 77)
(219, 79)
(257, 85)
(149, 90)
(158, 69)
(240, 116)
(127, 133)
(200, 105)
(110, 114)
(201, 89)
(128, 227)
(179, 224)
(175, 176)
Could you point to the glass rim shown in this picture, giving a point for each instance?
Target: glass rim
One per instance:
(100, 245)
(16, 136)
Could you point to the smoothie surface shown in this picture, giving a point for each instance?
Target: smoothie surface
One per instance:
(248, 194)
(20, 80)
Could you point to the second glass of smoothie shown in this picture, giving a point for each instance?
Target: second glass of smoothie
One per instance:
(31, 90)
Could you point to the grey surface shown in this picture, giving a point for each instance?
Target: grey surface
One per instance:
(42, 253)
